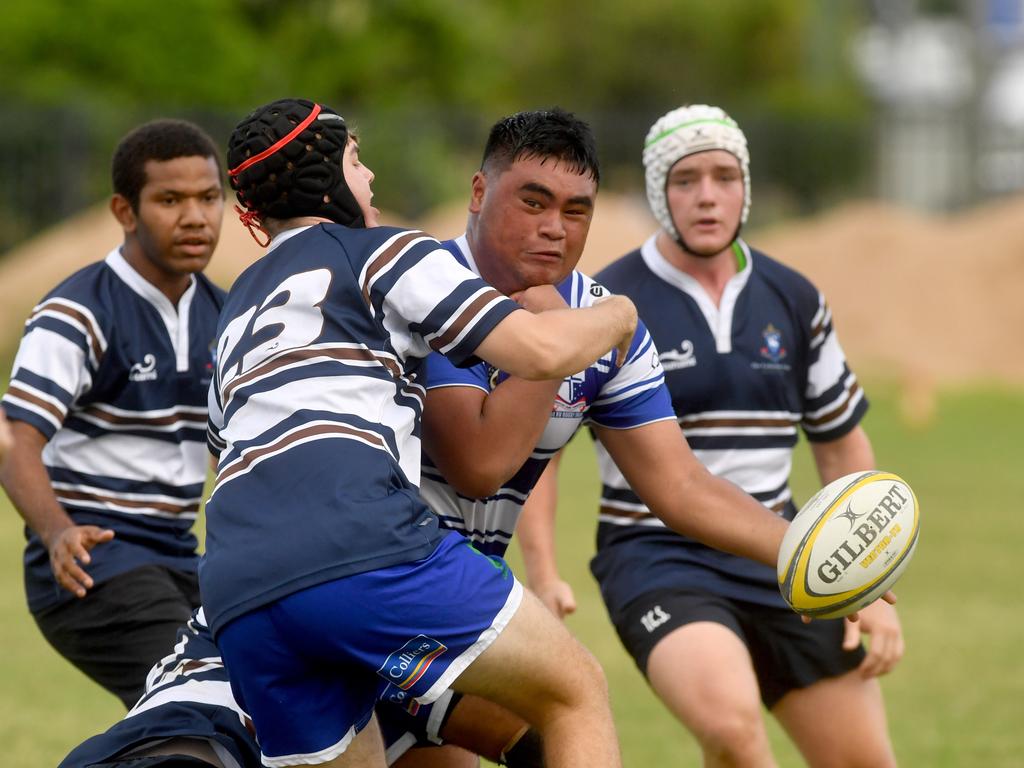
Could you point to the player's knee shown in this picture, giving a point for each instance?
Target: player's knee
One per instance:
(737, 738)
(527, 752)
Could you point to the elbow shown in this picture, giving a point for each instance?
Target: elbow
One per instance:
(478, 480)
(476, 485)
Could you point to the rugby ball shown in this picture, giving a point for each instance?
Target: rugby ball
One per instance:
(848, 544)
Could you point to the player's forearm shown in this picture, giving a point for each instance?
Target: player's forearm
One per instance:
(28, 485)
(536, 530)
(559, 342)
(720, 515)
(512, 421)
(576, 338)
(850, 453)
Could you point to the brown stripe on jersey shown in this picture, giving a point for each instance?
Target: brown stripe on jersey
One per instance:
(243, 463)
(465, 319)
(143, 421)
(15, 391)
(698, 423)
(163, 506)
(90, 327)
(843, 405)
(627, 513)
(297, 356)
(388, 254)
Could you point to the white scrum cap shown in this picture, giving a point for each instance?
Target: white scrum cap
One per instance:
(686, 131)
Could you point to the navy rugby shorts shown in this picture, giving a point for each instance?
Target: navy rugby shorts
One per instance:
(310, 667)
(786, 653)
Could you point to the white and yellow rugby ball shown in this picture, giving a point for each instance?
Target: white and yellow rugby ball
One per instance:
(848, 544)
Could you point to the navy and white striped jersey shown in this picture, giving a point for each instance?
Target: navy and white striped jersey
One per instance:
(744, 376)
(316, 405)
(614, 397)
(116, 378)
(188, 695)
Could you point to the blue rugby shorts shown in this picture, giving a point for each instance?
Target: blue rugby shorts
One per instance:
(310, 667)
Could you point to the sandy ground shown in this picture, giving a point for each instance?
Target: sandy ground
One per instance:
(927, 301)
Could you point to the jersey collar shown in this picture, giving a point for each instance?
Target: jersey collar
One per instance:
(719, 317)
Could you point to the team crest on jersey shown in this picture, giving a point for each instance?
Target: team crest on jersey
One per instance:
(677, 359)
(772, 348)
(571, 400)
(144, 371)
(404, 667)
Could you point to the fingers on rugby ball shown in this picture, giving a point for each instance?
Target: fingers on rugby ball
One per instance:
(848, 544)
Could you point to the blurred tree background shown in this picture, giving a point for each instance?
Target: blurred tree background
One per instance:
(423, 81)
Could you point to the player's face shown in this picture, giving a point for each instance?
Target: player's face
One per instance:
(529, 223)
(705, 197)
(176, 227)
(359, 178)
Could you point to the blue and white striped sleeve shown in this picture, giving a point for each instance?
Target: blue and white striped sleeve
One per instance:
(834, 402)
(59, 354)
(634, 394)
(428, 301)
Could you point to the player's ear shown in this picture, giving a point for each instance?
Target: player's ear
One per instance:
(478, 187)
(123, 212)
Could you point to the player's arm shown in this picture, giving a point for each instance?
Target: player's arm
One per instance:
(535, 533)
(479, 439)
(5, 437)
(834, 458)
(559, 342)
(26, 481)
(659, 466)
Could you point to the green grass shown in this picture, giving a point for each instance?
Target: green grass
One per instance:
(952, 702)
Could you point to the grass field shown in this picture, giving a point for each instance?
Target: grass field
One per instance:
(953, 702)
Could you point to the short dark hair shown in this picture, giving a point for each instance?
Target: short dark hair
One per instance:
(159, 140)
(549, 133)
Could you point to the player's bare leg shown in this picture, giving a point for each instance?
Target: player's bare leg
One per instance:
(540, 672)
(704, 674)
(437, 757)
(365, 751)
(854, 734)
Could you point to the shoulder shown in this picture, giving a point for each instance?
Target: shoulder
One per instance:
(780, 275)
(91, 291)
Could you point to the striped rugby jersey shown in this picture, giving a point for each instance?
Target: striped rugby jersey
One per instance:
(744, 376)
(187, 695)
(316, 405)
(116, 378)
(619, 398)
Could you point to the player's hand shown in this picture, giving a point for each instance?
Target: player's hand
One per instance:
(557, 597)
(629, 320)
(539, 298)
(885, 648)
(69, 551)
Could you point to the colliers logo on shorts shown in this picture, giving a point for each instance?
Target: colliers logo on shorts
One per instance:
(404, 667)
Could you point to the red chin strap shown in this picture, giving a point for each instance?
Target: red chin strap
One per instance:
(251, 221)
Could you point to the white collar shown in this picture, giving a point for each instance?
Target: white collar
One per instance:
(462, 242)
(719, 318)
(175, 318)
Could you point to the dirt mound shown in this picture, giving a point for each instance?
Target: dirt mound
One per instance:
(922, 299)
